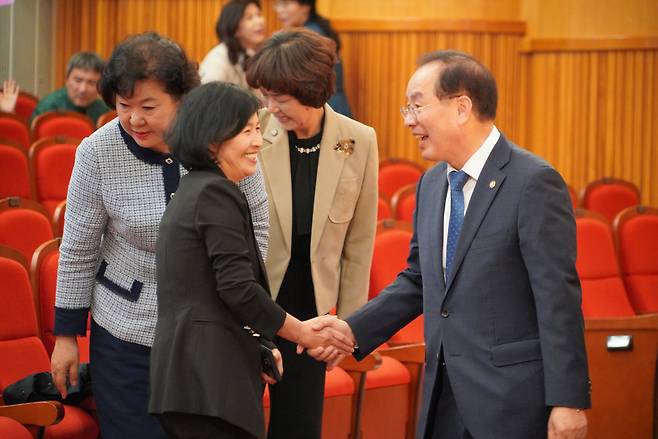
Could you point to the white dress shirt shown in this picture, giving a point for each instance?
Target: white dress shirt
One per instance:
(472, 167)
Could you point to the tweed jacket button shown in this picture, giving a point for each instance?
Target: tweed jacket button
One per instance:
(444, 313)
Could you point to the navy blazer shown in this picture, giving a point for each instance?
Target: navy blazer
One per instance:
(508, 317)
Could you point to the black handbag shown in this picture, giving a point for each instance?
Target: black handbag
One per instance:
(40, 387)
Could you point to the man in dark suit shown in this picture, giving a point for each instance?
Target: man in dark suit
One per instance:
(492, 267)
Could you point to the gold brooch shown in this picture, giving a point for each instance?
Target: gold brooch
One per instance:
(346, 146)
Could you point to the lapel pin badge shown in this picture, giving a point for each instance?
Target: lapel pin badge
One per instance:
(346, 146)
(274, 131)
(492, 184)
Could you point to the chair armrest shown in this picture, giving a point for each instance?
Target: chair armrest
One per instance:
(34, 413)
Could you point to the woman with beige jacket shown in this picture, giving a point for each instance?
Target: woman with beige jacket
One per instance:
(320, 171)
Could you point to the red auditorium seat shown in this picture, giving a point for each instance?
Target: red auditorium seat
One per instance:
(61, 123)
(609, 196)
(25, 105)
(383, 209)
(20, 421)
(636, 234)
(51, 162)
(105, 118)
(24, 225)
(403, 203)
(390, 252)
(14, 171)
(43, 272)
(604, 294)
(21, 351)
(13, 127)
(389, 258)
(395, 173)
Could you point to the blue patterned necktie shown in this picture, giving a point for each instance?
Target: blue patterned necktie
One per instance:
(457, 181)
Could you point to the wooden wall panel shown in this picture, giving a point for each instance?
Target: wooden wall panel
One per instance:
(444, 9)
(74, 22)
(590, 18)
(379, 62)
(592, 113)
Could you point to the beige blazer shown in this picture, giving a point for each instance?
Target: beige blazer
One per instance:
(344, 210)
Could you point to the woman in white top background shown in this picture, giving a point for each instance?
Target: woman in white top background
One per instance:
(240, 29)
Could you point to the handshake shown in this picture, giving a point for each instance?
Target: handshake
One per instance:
(326, 338)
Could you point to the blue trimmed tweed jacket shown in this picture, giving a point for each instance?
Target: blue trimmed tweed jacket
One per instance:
(116, 198)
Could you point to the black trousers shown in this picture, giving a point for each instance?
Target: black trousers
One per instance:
(296, 401)
(120, 381)
(189, 426)
(447, 423)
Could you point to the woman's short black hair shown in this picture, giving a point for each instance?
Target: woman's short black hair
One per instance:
(210, 114)
(147, 56)
(228, 24)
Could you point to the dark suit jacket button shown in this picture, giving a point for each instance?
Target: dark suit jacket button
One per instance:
(444, 313)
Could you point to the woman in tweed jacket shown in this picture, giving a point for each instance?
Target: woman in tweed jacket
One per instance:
(122, 181)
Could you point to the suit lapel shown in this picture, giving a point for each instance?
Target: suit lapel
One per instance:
(330, 166)
(436, 185)
(276, 165)
(481, 199)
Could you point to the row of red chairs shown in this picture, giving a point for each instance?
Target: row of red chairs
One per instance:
(398, 179)
(51, 123)
(603, 290)
(617, 264)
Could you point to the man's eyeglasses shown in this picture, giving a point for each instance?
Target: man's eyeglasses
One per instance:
(413, 112)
